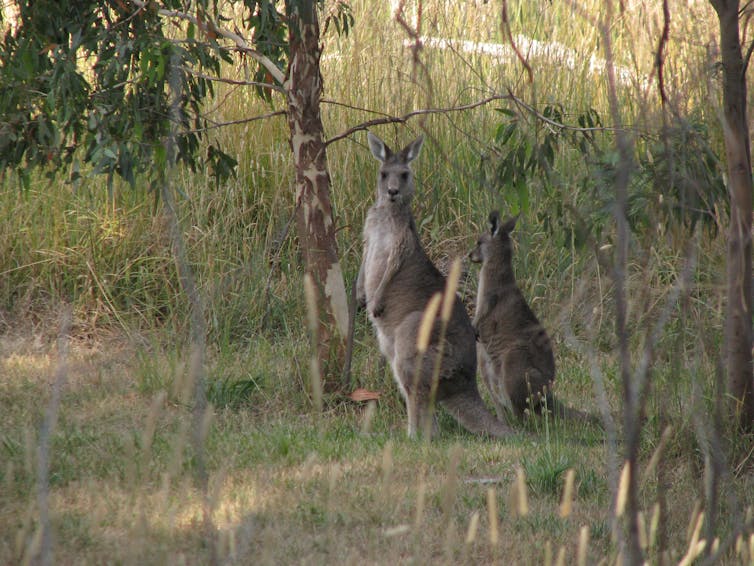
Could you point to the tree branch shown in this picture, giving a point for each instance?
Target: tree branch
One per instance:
(555, 124)
(388, 119)
(403, 119)
(505, 26)
(206, 77)
(660, 53)
(747, 58)
(216, 125)
(210, 26)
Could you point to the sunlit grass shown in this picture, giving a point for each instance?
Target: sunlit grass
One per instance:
(279, 489)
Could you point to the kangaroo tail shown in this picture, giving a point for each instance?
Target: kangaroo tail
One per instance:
(469, 410)
(563, 411)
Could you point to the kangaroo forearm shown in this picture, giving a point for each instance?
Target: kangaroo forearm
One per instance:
(479, 315)
(361, 296)
(377, 299)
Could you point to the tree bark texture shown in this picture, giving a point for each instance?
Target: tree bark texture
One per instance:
(314, 218)
(738, 324)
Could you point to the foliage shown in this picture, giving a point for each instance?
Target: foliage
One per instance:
(101, 85)
(677, 177)
(677, 180)
(98, 87)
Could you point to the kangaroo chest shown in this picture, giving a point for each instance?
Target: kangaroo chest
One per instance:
(383, 237)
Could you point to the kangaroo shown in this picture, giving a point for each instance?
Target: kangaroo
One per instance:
(514, 350)
(395, 282)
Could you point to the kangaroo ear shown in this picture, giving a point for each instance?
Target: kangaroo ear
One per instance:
(411, 151)
(378, 148)
(510, 224)
(494, 222)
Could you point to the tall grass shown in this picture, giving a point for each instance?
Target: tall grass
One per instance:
(112, 260)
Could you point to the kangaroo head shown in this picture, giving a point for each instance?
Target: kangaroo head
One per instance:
(395, 180)
(496, 244)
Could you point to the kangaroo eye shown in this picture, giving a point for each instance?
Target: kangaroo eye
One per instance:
(383, 175)
(404, 176)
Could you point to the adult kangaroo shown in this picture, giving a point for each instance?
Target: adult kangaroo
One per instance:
(396, 282)
(515, 352)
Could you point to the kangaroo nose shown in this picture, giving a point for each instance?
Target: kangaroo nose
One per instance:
(392, 192)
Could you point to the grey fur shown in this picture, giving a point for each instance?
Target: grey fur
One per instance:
(514, 349)
(396, 281)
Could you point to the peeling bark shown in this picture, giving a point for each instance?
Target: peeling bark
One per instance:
(738, 324)
(314, 221)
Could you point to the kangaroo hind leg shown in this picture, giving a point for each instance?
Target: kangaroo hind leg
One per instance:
(525, 385)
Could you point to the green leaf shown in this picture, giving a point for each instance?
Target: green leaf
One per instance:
(506, 112)
(522, 191)
(504, 132)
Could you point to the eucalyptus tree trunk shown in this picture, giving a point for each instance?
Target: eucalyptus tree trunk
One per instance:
(314, 219)
(738, 324)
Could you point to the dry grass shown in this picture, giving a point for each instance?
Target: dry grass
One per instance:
(332, 496)
(285, 487)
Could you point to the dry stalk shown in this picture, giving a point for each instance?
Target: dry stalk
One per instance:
(40, 548)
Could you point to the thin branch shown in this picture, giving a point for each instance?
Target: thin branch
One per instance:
(585, 348)
(416, 47)
(352, 107)
(216, 125)
(206, 77)
(389, 119)
(209, 26)
(403, 119)
(747, 58)
(681, 289)
(506, 28)
(631, 410)
(554, 123)
(414, 34)
(187, 279)
(275, 261)
(660, 54)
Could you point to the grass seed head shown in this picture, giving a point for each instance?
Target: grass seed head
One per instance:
(428, 321)
(583, 550)
(492, 516)
(473, 526)
(622, 496)
(567, 502)
(451, 285)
